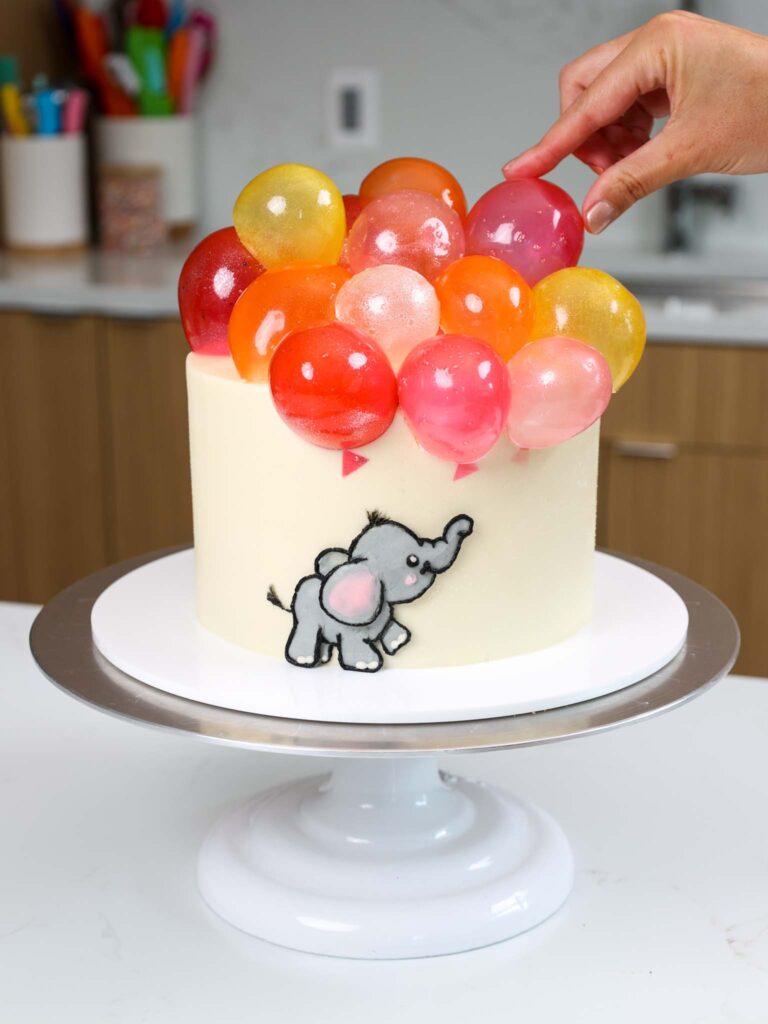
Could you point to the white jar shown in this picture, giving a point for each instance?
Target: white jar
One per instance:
(164, 142)
(44, 191)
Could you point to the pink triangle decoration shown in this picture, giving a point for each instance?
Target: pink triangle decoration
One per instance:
(350, 461)
(465, 469)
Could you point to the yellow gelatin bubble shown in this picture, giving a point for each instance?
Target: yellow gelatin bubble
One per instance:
(290, 214)
(595, 308)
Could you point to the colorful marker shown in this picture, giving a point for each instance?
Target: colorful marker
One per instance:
(48, 110)
(75, 109)
(13, 115)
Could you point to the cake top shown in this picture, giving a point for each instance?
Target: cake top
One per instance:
(353, 307)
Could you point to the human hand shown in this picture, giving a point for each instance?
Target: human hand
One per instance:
(710, 78)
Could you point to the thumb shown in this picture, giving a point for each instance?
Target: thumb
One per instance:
(659, 162)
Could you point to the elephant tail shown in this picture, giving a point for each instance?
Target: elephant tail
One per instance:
(275, 600)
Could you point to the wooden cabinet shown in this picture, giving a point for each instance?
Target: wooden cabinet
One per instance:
(54, 503)
(147, 440)
(695, 395)
(684, 476)
(94, 458)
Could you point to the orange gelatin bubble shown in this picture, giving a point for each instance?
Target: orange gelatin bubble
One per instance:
(411, 172)
(485, 298)
(285, 300)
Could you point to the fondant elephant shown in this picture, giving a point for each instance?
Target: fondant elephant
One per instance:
(347, 602)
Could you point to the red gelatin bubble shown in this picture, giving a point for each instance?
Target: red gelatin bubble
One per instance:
(333, 386)
(353, 206)
(213, 278)
(454, 393)
(532, 225)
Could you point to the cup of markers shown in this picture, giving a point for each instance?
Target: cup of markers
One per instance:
(42, 163)
(145, 63)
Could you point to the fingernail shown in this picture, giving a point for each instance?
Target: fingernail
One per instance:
(510, 166)
(600, 216)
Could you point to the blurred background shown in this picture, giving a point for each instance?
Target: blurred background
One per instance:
(99, 211)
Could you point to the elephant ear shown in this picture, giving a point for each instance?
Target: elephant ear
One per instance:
(353, 594)
(329, 559)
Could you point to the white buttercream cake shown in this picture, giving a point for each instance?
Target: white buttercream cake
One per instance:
(394, 413)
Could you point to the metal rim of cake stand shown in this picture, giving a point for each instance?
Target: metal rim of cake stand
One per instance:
(63, 647)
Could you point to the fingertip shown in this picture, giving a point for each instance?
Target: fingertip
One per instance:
(529, 165)
(599, 215)
(595, 193)
(511, 168)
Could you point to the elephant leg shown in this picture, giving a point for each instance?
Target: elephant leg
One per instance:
(304, 645)
(356, 652)
(394, 637)
(326, 650)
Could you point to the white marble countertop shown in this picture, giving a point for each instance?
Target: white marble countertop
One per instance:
(114, 284)
(100, 919)
(637, 264)
(104, 283)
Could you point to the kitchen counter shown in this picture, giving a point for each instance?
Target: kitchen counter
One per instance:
(100, 919)
(640, 265)
(144, 287)
(96, 282)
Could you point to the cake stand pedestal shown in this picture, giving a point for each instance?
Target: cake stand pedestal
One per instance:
(384, 857)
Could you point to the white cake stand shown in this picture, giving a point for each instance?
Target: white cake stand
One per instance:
(383, 857)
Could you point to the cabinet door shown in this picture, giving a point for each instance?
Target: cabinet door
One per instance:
(703, 513)
(148, 444)
(694, 394)
(53, 498)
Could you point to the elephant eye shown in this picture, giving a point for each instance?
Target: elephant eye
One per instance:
(412, 560)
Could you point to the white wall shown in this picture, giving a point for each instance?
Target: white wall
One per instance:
(465, 82)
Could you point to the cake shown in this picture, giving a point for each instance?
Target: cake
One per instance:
(394, 453)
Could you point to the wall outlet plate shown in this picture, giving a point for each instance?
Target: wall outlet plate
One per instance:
(353, 107)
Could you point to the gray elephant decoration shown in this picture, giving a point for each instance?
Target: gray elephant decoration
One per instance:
(347, 603)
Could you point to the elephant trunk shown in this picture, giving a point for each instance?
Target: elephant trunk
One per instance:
(441, 553)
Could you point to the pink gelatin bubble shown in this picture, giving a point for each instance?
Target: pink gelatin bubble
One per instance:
(395, 306)
(532, 225)
(559, 387)
(413, 229)
(454, 393)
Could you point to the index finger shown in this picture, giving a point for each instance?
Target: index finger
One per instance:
(576, 76)
(636, 71)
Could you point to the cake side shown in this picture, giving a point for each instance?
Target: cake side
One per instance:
(266, 503)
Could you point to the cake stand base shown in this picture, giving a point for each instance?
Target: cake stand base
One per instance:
(385, 859)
